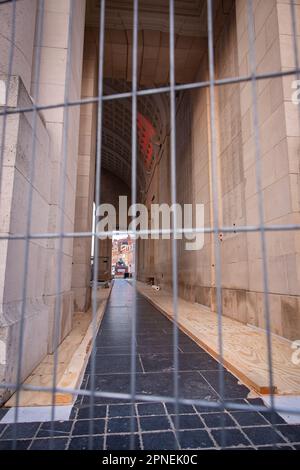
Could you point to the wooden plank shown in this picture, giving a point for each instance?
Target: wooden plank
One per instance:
(245, 347)
(73, 355)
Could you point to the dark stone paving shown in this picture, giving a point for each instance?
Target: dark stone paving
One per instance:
(154, 423)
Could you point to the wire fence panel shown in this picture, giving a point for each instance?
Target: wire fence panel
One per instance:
(64, 230)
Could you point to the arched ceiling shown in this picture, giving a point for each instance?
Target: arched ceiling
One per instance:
(116, 141)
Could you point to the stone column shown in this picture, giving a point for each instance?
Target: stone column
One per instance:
(62, 41)
(81, 270)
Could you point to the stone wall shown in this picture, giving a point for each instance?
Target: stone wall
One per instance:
(53, 80)
(279, 150)
(18, 42)
(241, 257)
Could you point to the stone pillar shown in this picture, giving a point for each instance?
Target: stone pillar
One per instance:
(81, 271)
(56, 84)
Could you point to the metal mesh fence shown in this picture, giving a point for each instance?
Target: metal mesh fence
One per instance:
(170, 90)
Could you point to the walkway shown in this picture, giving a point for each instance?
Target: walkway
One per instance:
(198, 379)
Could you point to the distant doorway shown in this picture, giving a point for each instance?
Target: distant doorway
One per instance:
(122, 258)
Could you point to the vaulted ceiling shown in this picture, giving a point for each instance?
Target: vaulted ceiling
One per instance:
(117, 123)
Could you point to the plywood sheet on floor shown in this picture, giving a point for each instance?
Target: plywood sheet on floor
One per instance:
(73, 354)
(245, 347)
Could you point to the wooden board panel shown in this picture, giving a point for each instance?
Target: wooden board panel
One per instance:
(245, 347)
(73, 354)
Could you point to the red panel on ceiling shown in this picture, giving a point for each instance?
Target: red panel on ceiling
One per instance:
(146, 132)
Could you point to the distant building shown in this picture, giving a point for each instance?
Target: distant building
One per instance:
(123, 249)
